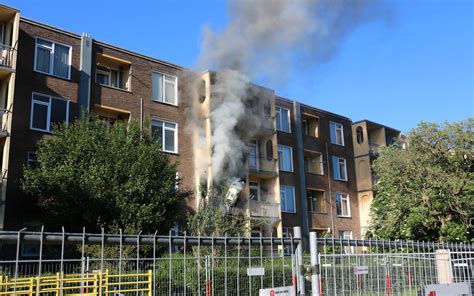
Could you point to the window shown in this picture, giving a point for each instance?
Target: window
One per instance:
(53, 58)
(313, 163)
(254, 188)
(310, 126)
(31, 160)
(47, 111)
(253, 155)
(343, 208)
(360, 135)
(316, 201)
(339, 168)
(269, 150)
(287, 233)
(346, 235)
(336, 133)
(283, 119)
(110, 77)
(164, 88)
(287, 196)
(166, 133)
(285, 158)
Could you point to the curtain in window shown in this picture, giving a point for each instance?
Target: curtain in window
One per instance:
(157, 87)
(43, 59)
(61, 61)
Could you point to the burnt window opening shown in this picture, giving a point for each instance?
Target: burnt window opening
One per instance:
(202, 91)
(269, 149)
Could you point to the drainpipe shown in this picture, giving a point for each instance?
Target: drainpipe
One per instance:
(85, 72)
(330, 189)
(301, 172)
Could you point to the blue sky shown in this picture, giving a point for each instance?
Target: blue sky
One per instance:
(416, 66)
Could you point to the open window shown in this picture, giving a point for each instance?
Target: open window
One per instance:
(313, 162)
(310, 125)
(316, 201)
(113, 72)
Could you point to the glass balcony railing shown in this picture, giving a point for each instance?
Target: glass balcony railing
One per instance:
(262, 164)
(264, 209)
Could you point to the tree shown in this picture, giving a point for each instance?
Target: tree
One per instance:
(98, 175)
(426, 192)
(214, 217)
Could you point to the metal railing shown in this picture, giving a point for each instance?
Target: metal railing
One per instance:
(6, 58)
(102, 264)
(262, 164)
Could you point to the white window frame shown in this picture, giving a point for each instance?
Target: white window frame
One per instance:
(48, 118)
(291, 158)
(279, 109)
(338, 168)
(348, 204)
(257, 187)
(163, 135)
(281, 200)
(51, 58)
(337, 126)
(163, 95)
(109, 74)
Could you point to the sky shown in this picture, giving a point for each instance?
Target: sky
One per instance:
(414, 65)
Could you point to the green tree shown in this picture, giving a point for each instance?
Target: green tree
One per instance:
(214, 217)
(426, 192)
(97, 175)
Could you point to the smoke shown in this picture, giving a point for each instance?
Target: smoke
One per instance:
(264, 41)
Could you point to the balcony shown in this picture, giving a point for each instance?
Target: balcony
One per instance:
(374, 150)
(4, 113)
(263, 166)
(266, 124)
(6, 59)
(264, 209)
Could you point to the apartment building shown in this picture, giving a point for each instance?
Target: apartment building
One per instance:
(369, 139)
(297, 166)
(317, 173)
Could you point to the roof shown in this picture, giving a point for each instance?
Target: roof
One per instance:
(377, 124)
(314, 108)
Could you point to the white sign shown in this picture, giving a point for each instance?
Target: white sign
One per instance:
(453, 289)
(280, 291)
(361, 269)
(255, 271)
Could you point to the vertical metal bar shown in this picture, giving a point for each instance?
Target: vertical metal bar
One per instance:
(283, 260)
(261, 260)
(250, 263)
(17, 258)
(184, 269)
(38, 282)
(313, 249)
(62, 263)
(225, 264)
(138, 260)
(238, 264)
(170, 267)
(212, 266)
(334, 265)
(154, 263)
(341, 252)
(299, 258)
(199, 263)
(102, 246)
(120, 259)
(293, 262)
(271, 260)
(82, 256)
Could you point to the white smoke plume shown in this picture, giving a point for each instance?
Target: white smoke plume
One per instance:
(265, 40)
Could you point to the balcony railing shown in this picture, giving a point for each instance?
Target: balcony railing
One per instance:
(262, 164)
(264, 209)
(374, 149)
(4, 113)
(7, 56)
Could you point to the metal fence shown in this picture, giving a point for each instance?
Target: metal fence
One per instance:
(41, 263)
(100, 264)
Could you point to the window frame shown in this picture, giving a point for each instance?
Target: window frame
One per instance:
(31, 159)
(348, 204)
(336, 124)
(278, 110)
(49, 105)
(163, 88)
(109, 74)
(51, 54)
(162, 136)
(281, 201)
(291, 158)
(338, 167)
(311, 208)
(257, 186)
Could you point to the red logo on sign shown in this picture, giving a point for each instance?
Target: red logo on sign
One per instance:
(272, 293)
(432, 293)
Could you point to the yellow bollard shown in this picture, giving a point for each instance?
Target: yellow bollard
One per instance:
(150, 281)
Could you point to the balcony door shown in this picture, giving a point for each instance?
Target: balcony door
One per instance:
(253, 155)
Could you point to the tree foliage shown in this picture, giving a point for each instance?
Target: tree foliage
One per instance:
(426, 192)
(214, 218)
(97, 175)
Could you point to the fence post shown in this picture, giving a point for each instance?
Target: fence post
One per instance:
(299, 261)
(313, 249)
